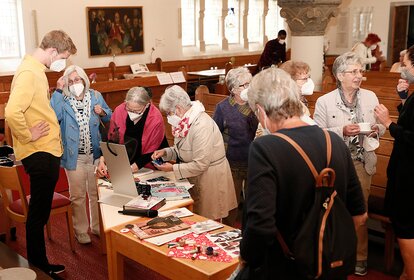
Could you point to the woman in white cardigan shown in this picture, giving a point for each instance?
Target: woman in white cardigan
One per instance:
(340, 111)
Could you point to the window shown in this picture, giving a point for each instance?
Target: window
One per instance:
(243, 22)
(9, 29)
(188, 22)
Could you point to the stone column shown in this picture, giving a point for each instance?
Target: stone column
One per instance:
(307, 20)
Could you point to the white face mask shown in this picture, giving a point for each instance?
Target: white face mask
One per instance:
(406, 75)
(373, 47)
(370, 144)
(308, 87)
(173, 120)
(282, 41)
(134, 116)
(57, 65)
(76, 89)
(243, 95)
(266, 131)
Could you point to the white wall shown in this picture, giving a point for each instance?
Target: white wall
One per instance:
(160, 19)
(380, 22)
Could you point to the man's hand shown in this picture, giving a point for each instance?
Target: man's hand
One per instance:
(158, 154)
(166, 167)
(360, 220)
(39, 130)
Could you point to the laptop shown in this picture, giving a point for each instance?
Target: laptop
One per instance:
(120, 172)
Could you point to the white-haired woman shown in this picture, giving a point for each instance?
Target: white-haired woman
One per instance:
(79, 110)
(340, 111)
(238, 124)
(281, 187)
(199, 154)
(140, 120)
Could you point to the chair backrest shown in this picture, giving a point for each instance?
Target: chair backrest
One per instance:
(9, 182)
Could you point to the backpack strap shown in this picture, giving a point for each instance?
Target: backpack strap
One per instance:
(305, 156)
(281, 240)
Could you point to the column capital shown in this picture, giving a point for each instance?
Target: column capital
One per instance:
(308, 17)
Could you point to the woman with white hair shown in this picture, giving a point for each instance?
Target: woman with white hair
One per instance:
(199, 154)
(281, 187)
(79, 110)
(139, 125)
(398, 66)
(341, 111)
(238, 125)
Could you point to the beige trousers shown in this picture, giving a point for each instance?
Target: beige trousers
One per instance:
(81, 182)
(362, 232)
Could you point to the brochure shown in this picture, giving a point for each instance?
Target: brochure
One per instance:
(151, 202)
(159, 226)
(205, 226)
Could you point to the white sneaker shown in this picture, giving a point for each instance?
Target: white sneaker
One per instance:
(83, 238)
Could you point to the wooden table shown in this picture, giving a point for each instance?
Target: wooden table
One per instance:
(109, 216)
(156, 258)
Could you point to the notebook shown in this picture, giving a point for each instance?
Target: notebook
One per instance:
(119, 169)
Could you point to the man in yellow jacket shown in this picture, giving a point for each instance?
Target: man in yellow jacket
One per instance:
(36, 137)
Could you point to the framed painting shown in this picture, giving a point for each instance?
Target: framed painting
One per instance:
(115, 30)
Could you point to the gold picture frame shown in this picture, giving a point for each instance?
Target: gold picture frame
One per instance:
(115, 30)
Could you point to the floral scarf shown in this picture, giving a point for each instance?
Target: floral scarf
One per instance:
(184, 125)
(82, 109)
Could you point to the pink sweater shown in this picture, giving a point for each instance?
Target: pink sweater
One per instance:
(152, 135)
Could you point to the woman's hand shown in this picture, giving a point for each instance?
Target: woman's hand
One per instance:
(98, 110)
(158, 154)
(134, 167)
(351, 130)
(101, 170)
(383, 116)
(60, 83)
(402, 85)
(167, 167)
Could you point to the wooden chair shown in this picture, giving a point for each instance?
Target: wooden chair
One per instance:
(17, 210)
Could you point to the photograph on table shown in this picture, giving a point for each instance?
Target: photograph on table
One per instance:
(115, 30)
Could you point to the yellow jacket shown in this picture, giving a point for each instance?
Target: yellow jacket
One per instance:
(28, 105)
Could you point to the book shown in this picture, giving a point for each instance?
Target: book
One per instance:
(159, 226)
(180, 213)
(153, 203)
(205, 226)
(170, 191)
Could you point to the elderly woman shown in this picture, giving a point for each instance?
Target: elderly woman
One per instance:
(400, 192)
(199, 154)
(79, 110)
(139, 125)
(238, 125)
(279, 196)
(340, 111)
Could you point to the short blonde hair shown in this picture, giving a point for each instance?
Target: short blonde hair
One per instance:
(276, 92)
(82, 75)
(172, 97)
(294, 68)
(60, 40)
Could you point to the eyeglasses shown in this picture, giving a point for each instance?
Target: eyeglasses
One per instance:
(245, 85)
(75, 81)
(355, 72)
(140, 111)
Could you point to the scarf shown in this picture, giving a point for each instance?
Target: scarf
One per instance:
(184, 125)
(82, 111)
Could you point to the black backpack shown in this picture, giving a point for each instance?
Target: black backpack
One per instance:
(325, 245)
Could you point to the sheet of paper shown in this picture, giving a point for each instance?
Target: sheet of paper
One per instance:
(162, 239)
(164, 78)
(180, 212)
(177, 77)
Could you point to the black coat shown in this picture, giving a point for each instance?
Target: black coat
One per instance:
(281, 191)
(399, 195)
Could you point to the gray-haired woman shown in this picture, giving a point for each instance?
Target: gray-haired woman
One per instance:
(140, 120)
(79, 110)
(340, 111)
(281, 187)
(199, 154)
(238, 125)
